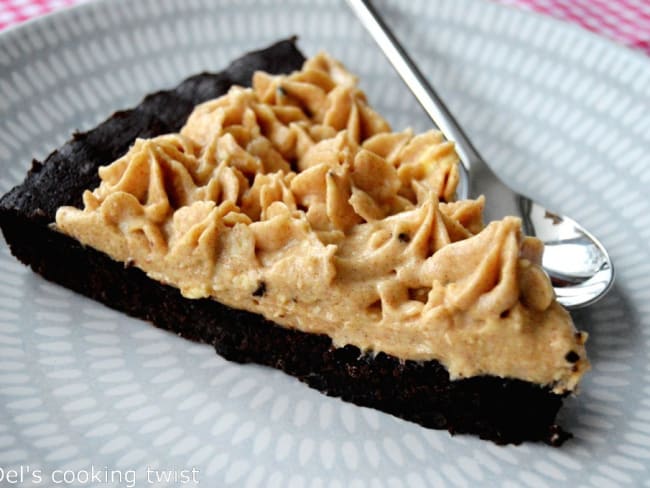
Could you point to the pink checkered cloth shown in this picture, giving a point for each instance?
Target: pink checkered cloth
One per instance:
(624, 21)
(15, 11)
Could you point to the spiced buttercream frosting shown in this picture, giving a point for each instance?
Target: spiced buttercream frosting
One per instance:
(295, 200)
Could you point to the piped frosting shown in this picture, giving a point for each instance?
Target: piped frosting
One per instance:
(297, 188)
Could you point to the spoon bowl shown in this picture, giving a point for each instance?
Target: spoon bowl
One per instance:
(578, 265)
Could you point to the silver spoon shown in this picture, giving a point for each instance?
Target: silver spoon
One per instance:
(577, 263)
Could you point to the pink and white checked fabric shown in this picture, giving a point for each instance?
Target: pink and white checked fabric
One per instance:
(624, 21)
(15, 11)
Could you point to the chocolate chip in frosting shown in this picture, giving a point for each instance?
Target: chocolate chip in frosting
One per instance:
(260, 290)
(572, 357)
(404, 237)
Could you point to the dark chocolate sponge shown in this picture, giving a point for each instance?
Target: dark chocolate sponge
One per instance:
(502, 410)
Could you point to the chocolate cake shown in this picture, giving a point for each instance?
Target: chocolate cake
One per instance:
(501, 409)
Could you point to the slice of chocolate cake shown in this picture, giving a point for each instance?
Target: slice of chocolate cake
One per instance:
(286, 225)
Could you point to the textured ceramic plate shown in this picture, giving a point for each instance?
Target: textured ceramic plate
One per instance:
(561, 114)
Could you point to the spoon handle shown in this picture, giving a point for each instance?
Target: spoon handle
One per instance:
(418, 84)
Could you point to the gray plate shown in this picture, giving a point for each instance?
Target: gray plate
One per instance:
(563, 115)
